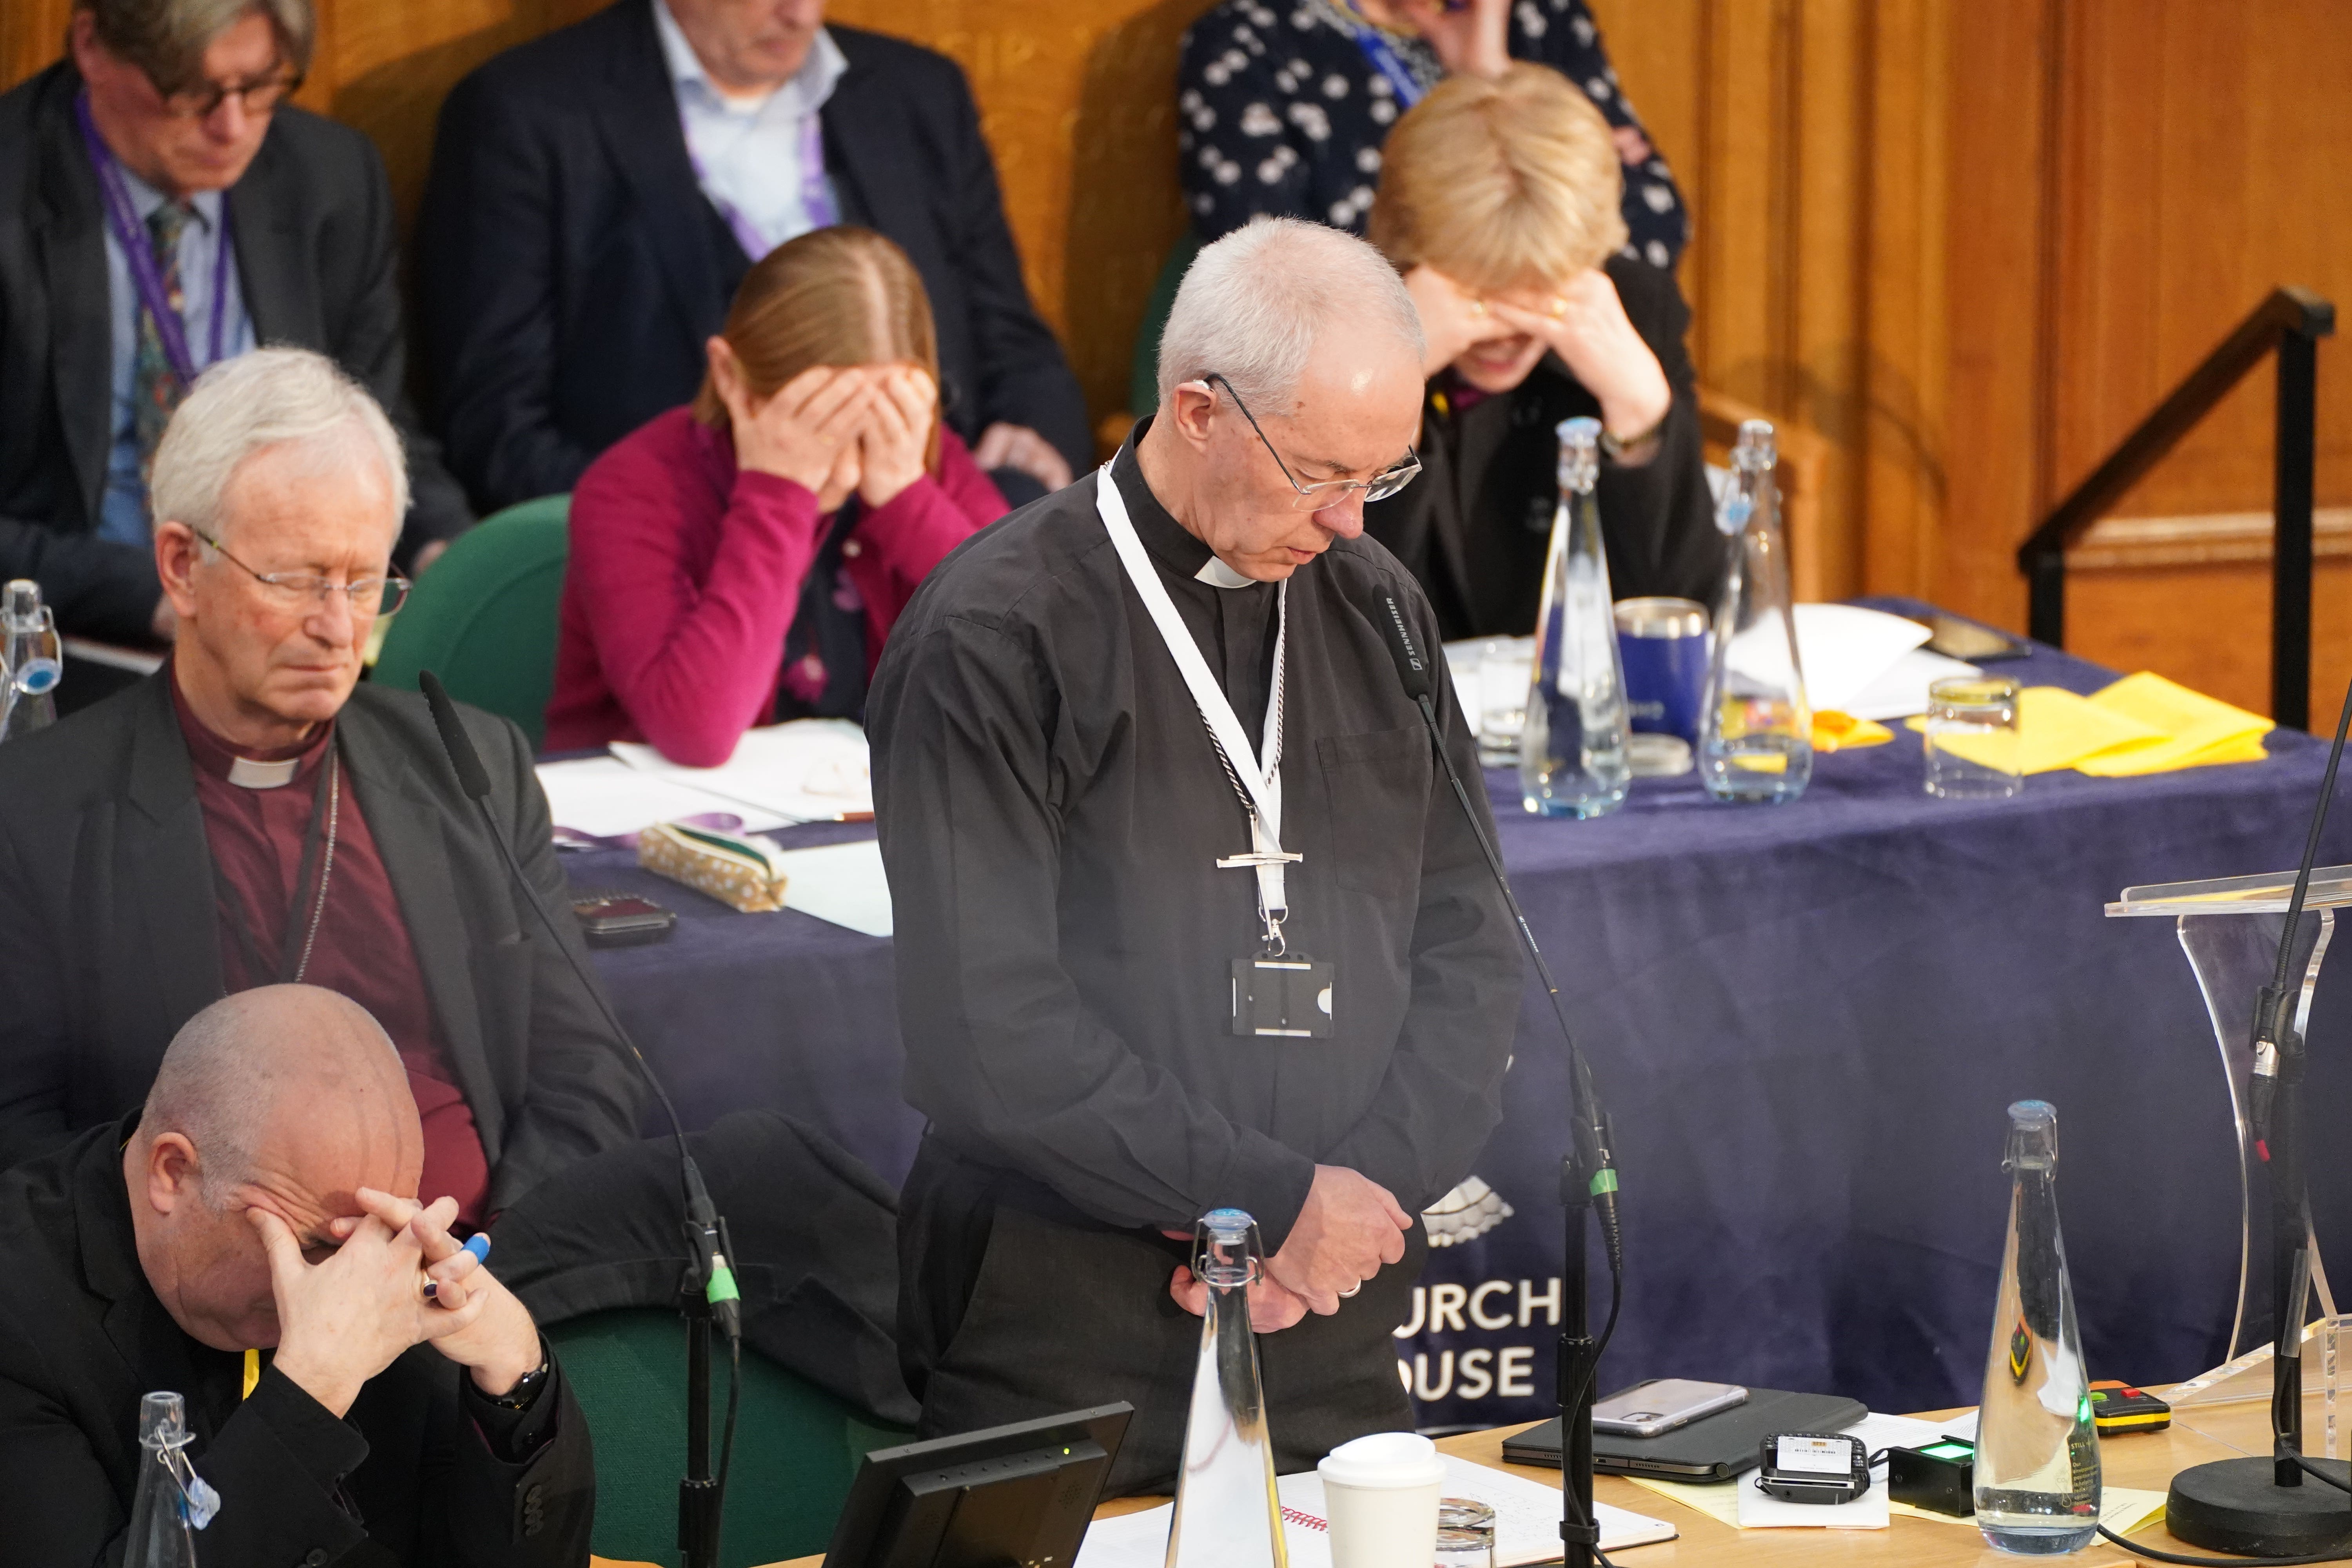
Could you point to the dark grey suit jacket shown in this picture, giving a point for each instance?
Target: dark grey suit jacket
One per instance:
(313, 220)
(109, 938)
(569, 268)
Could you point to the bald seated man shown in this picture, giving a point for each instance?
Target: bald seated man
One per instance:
(251, 1239)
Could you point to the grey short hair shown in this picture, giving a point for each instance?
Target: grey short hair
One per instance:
(1252, 303)
(255, 401)
(167, 38)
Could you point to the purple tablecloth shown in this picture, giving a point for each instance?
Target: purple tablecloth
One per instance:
(1806, 1020)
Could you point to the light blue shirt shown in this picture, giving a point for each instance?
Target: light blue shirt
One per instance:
(122, 512)
(747, 155)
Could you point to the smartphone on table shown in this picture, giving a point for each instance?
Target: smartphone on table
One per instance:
(1661, 1404)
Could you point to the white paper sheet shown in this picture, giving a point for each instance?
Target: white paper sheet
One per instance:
(604, 797)
(842, 883)
(811, 770)
(1845, 648)
(1527, 1522)
(1902, 690)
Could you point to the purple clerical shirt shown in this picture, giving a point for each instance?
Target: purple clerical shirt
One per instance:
(362, 949)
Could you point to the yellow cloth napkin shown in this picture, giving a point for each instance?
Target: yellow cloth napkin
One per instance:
(1836, 731)
(2199, 730)
(2141, 724)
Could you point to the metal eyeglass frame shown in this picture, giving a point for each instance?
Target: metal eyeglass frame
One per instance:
(391, 587)
(1379, 487)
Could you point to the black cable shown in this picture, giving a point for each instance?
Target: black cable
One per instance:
(2153, 1554)
(727, 1433)
(2309, 1468)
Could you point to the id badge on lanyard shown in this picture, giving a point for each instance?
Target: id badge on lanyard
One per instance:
(1275, 991)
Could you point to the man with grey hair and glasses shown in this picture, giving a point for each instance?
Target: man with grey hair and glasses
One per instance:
(162, 208)
(250, 816)
(1188, 917)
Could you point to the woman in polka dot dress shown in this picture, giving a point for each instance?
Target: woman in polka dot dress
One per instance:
(1283, 104)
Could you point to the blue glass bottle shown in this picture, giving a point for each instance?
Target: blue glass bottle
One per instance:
(1755, 729)
(1572, 759)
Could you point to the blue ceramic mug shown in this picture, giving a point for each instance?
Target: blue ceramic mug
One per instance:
(1662, 644)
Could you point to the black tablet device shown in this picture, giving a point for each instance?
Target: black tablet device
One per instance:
(1711, 1448)
(1022, 1493)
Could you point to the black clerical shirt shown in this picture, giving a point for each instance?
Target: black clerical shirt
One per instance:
(1051, 812)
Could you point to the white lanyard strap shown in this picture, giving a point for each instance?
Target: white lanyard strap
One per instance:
(1259, 786)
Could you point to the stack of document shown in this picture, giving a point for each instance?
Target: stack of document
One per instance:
(811, 770)
(2141, 724)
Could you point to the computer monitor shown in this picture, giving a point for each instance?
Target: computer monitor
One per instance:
(1006, 1496)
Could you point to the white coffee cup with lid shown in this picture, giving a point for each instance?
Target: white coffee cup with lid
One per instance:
(1380, 1493)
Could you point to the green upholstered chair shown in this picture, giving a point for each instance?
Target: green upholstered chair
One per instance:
(484, 617)
(796, 1447)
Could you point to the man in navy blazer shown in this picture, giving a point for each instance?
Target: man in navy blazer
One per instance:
(189, 108)
(572, 259)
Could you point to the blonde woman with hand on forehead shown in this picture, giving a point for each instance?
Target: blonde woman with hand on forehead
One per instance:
(741, 561)
(1500, 206)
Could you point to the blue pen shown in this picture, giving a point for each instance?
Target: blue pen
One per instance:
(478, 1245)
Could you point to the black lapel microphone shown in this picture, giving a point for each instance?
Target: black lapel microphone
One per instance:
(1596, 1168)
(704, 1229)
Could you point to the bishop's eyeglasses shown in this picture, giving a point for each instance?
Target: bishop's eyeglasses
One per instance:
(368, 596)
(1327, 492)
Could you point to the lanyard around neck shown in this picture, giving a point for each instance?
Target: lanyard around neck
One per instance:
(1382, 55)
(1259, 783)
(139, 254)
(817, 208)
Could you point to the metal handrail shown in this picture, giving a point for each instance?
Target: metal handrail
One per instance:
(2291, 321)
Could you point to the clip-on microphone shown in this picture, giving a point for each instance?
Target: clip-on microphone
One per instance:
(710, 1283)
(1587, 1174)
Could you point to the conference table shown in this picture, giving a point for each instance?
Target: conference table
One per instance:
(2147, 1460)
(1806, 1022)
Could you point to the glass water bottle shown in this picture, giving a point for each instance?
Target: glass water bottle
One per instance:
(1226, 1513)
(172, 1501)
(32, 658)
(1755, 729)
(2037, 1463)
(1572, 758)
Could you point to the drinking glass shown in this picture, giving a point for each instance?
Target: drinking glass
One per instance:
(1465, 1533)
(1504, 670)
(1972, 739)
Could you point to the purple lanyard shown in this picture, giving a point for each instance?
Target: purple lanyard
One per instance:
(138, 253)
(1384, 59)
(816, 201)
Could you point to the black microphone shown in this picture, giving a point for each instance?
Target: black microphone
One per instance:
(704, 1229)
(1595, 1166)
(1588, 1175)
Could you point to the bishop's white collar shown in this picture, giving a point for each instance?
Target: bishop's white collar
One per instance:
(247, 774)
(1217, 574)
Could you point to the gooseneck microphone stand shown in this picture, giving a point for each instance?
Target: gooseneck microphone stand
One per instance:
(1588, 1171)
(708, 1288)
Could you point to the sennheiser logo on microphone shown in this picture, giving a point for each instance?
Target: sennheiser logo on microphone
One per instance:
(1403, 632)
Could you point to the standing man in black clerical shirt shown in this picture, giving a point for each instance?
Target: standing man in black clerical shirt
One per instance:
(1079, 868)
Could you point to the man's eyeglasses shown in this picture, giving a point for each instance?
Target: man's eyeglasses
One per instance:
(1327, 492)
(368, 597)
(255, 97)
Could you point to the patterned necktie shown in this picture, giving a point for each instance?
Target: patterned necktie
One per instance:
(155, 388)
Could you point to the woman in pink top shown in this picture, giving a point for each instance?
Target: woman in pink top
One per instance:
(740, 560)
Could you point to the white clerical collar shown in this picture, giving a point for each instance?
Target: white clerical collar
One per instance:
(1217, 574)
(247, 774)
